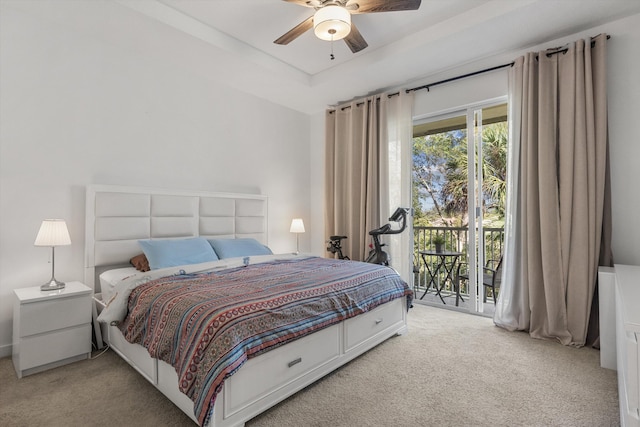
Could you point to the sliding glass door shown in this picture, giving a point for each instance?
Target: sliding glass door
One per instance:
(459, 172)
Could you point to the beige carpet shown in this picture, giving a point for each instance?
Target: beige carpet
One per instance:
(451, 369)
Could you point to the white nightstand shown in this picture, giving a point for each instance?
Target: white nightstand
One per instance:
(51, 328)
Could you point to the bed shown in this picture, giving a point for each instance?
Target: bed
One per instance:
(254, 374)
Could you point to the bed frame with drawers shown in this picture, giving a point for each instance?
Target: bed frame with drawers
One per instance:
(117, 217)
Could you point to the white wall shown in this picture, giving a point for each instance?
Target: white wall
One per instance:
(624, 137)
(75, 110)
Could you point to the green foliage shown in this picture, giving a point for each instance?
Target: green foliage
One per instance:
(494, 174)
(438, 239)
(440, 186)
(439, 162)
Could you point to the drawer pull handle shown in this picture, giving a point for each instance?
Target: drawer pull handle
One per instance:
(378, 321)
(295, 362)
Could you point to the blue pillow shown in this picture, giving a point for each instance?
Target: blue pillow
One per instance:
(232, 248)
(174, 252)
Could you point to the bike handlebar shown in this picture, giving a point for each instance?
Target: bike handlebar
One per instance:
(400, 214)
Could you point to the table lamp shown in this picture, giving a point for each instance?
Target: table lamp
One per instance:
(297, 226)
(53, 232)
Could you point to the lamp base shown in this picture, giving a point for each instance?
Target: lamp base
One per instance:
(52, 285)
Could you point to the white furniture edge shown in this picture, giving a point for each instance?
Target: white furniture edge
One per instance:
(163, 376)
(627, 296)
(607, 316)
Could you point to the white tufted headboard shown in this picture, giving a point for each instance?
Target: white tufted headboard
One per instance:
(117, 217)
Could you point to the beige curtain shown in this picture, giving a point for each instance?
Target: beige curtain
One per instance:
(368, 172)
(353, 174)
(557, 210)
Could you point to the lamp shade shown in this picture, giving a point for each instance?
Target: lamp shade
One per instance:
(332, 23)
(297, 226)
(53, 232)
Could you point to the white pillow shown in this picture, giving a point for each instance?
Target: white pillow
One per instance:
(110, 278)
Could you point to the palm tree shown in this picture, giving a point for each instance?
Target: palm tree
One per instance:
(494, 173)
(440, 174)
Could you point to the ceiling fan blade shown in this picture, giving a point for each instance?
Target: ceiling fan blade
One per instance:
(306, 3)
(296, 31)
(354, 40)
(373, 6)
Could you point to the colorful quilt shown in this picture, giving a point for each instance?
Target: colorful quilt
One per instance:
(207, 325)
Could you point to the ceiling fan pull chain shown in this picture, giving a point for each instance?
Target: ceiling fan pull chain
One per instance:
(332, 32)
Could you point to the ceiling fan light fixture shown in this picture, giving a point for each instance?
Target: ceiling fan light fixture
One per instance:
(332, 23)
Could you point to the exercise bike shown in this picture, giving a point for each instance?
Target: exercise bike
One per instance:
(377, 255)
(335, 247)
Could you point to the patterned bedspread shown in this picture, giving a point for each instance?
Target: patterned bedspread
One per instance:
(207, 325)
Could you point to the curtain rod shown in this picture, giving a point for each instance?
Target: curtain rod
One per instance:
(563, 50)
(427, 86)
(486, 70)
(464, 76)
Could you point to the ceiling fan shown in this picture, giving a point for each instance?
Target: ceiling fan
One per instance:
(332, 19)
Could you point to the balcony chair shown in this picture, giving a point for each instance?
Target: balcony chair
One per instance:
(491, 277)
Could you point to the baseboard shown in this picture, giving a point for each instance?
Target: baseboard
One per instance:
(5, 350)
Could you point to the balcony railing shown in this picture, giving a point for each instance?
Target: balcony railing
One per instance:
(456, 240)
